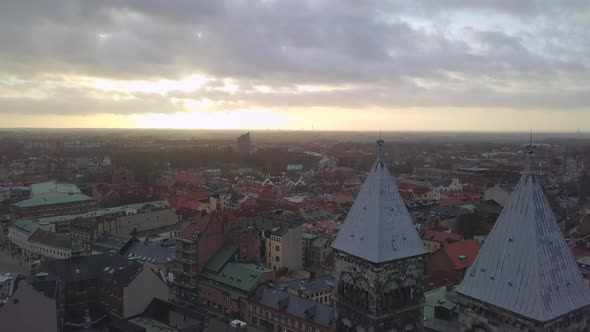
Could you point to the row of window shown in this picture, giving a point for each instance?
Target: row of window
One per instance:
(53, 252)
(282, 320)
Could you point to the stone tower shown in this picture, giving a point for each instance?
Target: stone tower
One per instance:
(525, 277)
(380, 260)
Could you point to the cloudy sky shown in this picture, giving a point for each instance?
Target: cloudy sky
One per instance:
(296, 64)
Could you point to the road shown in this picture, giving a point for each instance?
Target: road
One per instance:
(9, 263)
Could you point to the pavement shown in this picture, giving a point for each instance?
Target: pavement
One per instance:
(10, 261)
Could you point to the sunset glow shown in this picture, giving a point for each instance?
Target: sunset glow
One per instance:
(434, 66)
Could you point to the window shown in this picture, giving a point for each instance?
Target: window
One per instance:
(277, 259)
(277, 248)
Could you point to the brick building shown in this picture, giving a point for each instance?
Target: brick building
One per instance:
(225, 282)
(195, 245)
(447, 266)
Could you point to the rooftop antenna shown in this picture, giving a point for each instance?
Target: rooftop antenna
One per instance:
(530, 149)
(380, 148)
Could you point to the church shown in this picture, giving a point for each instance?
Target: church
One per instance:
(525, 277)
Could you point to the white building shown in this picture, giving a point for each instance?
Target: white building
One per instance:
(36, 241)
(441, 186)
(498, 194)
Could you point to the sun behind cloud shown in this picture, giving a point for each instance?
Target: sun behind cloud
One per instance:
(233, 119)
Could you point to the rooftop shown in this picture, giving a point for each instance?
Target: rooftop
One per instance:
(31, 303)
(86, 267)
(378, 227)
(51, 200)
(27, 226)
(462, 253)
(273, 297)
(235, 275)
(310, 285)
(319, 242)
(114, 241)
(525, 265)
(152, 325)
(223, 256)
(52, 187)
(123, 209)
(434, 235)
(433, 298)
(51, 239)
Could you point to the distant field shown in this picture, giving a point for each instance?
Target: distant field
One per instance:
(285, 136)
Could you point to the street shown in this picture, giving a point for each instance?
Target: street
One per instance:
(14, 264)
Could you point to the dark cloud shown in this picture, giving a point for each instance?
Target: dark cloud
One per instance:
(390, 53)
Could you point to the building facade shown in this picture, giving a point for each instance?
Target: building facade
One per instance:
(380, 260)
(284, 249)
(195, 245)
(243, 144)
(40, 207)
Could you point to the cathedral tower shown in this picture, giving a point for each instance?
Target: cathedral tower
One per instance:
(525, 277)
(380, 260)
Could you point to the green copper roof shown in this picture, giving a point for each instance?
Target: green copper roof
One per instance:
(432, 300)
(99, 213)
(27, 226)
(234, 275)
(319, 242)
(221, 258)
(308, 236)
(53, 187)
(50, 200)
(241, 276)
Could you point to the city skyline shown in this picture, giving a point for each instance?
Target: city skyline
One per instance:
(326, 65)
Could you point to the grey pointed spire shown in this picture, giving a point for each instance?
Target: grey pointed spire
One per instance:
(380, 150)
(378, 227)
(529, 161)
(525, 266)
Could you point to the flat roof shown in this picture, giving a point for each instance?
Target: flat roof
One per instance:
(50, 200)
(53, 187)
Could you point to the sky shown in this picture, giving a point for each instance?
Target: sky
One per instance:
(421, 65)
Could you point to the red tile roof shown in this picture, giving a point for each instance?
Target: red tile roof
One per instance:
(467, 248)
(430, 234)
(421, 191)
(198, 224)
(186, 178)
(452, 201)
(191, 201)
(407, 195)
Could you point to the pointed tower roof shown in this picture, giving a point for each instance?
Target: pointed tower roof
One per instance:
(525, 266)
(378, 227)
